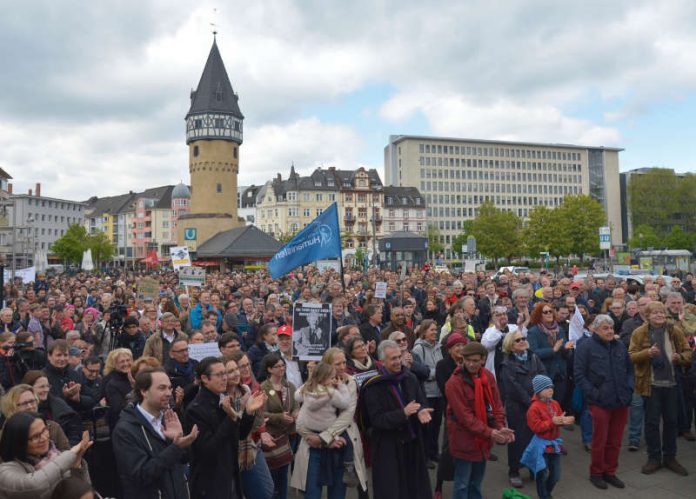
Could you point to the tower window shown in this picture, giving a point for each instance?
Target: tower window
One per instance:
(219, 95)
(219, 187)
(236, 154)
(195, 151)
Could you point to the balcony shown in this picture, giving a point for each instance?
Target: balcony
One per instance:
(349, 218)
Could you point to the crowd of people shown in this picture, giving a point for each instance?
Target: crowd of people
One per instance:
(101, 397)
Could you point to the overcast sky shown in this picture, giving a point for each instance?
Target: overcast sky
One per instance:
(93, 94)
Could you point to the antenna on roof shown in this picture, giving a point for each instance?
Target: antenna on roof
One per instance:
(214, 24)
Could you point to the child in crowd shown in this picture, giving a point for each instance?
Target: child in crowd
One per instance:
(323, 396)
(545, 417)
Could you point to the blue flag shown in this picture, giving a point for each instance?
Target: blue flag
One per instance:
(320, 239)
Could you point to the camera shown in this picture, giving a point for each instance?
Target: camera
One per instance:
(23, 344)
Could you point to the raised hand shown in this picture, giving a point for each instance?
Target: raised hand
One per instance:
(185, 441)
(172, 426)
(256, 402)
(229, 410)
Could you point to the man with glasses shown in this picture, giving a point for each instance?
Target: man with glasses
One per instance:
(214, 454)
(159, 344)
(657, 350)
(131, 337)
(492, 339)
(179, 367)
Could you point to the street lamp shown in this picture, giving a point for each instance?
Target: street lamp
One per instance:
(30, 238)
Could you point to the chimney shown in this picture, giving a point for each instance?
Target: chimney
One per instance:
(30, 193)
(9, 188)
(38, 189)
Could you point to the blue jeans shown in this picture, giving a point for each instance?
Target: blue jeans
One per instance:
(312, 488)
(636, 419)
(547, 479)
(586, 425)
(257, 482)
(468, 476)
(280, 482)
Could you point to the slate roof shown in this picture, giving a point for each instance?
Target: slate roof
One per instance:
(326, 180)
(214, 93)
(242, 242)
(402, 197)
(247, 198)
(110, 205)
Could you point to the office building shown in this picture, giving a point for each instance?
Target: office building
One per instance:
(457, 175)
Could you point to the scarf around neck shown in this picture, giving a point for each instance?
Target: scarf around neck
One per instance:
(363, 367)
(482, 395)
(394, 380)
(550, 332)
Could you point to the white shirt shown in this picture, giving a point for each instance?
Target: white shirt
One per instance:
(490, 339)
(292, 372)
(169, 337)
(155, 421)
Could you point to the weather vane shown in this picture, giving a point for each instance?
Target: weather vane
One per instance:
(214, 24)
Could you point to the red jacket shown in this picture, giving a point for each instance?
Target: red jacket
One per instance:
(539, 419)
(462, 424)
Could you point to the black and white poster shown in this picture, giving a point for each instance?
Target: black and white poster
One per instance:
(311, 330)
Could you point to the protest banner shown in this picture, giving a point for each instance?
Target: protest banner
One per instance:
(311, 330)
(192, 276)
(380, 290)
(148, 287)
(199, 351)
(180, 257)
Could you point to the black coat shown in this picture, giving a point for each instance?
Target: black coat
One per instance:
(515, 380)
(56, 409)
(214, 456)
(59, 377)
(116, 390)
(604, 372)
(134, 343)
(399, 468)
(150, 467)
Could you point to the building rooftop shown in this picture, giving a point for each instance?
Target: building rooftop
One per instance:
(214, 93)
(241, 242)
(395, 139)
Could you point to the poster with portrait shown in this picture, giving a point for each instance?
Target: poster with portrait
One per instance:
(311, 330)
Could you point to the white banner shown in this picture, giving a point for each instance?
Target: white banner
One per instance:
(380, 290)
(27, 275)
(199, 351)
(192, 276)
(180, 257)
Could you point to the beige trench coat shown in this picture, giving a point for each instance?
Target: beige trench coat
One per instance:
(344, 422)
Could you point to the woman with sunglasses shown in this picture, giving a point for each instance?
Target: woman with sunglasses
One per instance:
(32, 466)
(547, 341)
(518, 368)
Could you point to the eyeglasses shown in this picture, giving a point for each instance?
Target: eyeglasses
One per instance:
(520, 340)
(221, 374)
(232, 371)
(547, 311)
(28, 403)
(180, 350)
(401, 340)
(38, 437)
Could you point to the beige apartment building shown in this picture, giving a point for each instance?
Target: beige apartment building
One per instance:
(457, 175)
(284, 207)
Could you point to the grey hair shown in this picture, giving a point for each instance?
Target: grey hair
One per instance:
(393, 335)
(519, 291)
(182, 296)
(384, 345)
(602, 319)
(72, 335)
(458, 283)
(499, 309)
(6, 309)
(674, 294)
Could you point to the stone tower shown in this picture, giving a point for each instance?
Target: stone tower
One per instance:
(213, 135)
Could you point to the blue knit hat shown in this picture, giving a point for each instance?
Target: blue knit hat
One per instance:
(541, 382)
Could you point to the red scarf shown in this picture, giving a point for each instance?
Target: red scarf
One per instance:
(482, 393)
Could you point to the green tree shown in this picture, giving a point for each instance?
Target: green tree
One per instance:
(102, 248)
(644, 237)
(497, 232)
(546, 231)
(583, 216)
(71, 245)
(686, 194)
(434, 244)
(678, 239)
(654, 199)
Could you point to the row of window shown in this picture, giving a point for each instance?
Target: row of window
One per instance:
(500, 176)
(58, 205)
(53, 218)
(428, 187)
(499, 152)
(499, 165)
